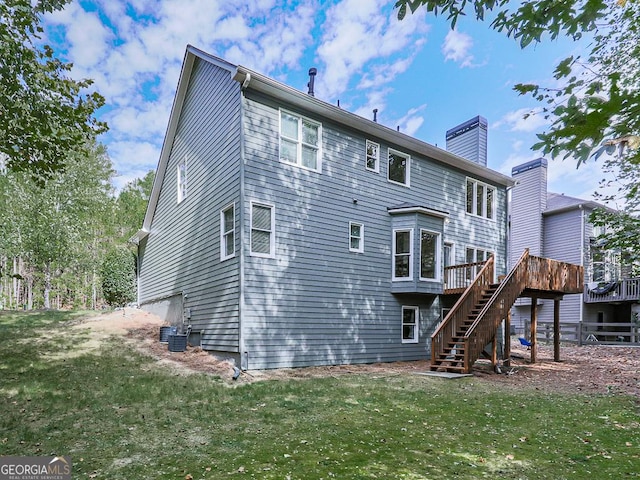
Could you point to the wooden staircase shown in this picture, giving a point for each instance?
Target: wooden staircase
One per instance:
(452, 356)
(472, 323)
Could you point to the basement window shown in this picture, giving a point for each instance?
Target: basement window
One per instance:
(410, 317)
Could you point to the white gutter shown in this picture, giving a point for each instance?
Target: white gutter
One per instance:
(345, 118)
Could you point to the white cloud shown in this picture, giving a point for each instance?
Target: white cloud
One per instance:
(357, 33)
(522, 120)
(457, 46)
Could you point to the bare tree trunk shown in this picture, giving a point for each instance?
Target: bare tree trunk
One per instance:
(30, 293)
(47, 285)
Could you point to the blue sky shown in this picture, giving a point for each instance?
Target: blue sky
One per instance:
(418, 73)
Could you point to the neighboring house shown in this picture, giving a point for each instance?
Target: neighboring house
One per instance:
(288, 232)
(557, 226)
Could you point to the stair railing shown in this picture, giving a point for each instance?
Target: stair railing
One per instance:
(483, 329)
(447, 328)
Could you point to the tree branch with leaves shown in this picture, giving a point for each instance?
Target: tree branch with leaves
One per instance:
(44, 113)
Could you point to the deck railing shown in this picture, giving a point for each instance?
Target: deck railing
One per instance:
(625, 290)
(445, 331)
(458, 277)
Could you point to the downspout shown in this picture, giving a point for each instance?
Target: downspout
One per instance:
(244, 356)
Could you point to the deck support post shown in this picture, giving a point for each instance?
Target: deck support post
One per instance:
(494, 352)
(506, 360)
(534, 328)
(556, 329)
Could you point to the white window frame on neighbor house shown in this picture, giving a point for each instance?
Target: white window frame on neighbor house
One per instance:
(360, 237)
(372, 154)
(437, 255)
(227, 236)
(298, 142)
(181, 177)
(477, 199)
(394, 254)
(271, 231)
(407, 170)
(415, 324)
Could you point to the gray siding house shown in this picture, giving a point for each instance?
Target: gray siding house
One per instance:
(286, 231)
(557, 226)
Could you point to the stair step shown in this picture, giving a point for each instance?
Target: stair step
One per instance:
(437, 368)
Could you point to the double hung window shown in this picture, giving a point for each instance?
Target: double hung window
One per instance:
(300, 141)
(410, 317)
(373, 156)
(403, 254)
(262, 230)
(356, 237)
(227, 232)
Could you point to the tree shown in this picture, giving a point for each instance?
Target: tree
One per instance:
(596, 110)
(119, 277)
(43, 114)
(131, 205)
(55, 226)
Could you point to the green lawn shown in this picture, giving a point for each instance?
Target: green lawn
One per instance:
(120, 416)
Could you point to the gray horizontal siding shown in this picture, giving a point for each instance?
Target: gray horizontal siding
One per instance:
(563, 238)
(182, 252)
(317, 303)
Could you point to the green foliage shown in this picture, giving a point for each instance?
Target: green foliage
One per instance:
(527, 22)
(131, 205)
(118, 275)
(44, 114)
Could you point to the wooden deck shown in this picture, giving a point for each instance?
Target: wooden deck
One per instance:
(472, 323)
(627, 290)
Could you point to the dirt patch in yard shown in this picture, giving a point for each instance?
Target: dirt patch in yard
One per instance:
(588, 369)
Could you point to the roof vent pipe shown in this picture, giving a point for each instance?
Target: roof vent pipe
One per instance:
(312, 77)
(375, 114)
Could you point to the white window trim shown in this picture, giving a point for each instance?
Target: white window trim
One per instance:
(474, 247)
(366, 156)
(416, 330)
(361, 248)
(408, 170)
(484, 199)
(393, 255)
(272, 242)
(437, 256)
(223, 255)
(446, 278)
(299, 141)
(180, 181)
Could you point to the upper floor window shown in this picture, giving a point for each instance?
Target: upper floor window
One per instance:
(410, 330)
(227, 232)
(481, 199)
(373, 156)
(300, 141)
(402, 254)
(399, 168)
(429, 255)
(356, 237)
(182, 180)
(475, 255)
(262, 230)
